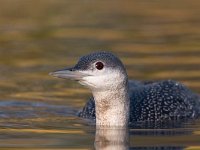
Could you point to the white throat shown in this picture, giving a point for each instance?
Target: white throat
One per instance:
(112, 107)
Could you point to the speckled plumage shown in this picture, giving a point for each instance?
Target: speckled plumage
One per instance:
(119, 100)
(155, 101)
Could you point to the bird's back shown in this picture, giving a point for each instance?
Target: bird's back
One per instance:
(156, 101)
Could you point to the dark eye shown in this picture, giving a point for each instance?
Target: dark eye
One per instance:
(99, 65)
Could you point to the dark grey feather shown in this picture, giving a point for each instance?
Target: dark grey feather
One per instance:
(156, 101)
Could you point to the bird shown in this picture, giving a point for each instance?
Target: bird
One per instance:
(118, 101)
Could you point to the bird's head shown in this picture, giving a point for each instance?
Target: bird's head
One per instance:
(97, 71)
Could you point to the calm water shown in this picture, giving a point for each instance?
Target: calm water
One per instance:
(156, 40)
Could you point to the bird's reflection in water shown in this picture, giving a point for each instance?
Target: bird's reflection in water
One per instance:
(111, 138)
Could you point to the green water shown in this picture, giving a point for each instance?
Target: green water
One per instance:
(155, 39)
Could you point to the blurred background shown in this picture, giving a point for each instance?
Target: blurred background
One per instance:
(155, 39)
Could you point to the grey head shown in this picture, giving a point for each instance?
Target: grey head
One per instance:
(97, 71)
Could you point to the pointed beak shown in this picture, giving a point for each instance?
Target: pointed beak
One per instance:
(69, 74)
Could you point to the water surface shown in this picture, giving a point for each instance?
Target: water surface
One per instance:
(156, 40)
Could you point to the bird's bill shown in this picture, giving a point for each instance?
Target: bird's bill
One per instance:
(68, 74)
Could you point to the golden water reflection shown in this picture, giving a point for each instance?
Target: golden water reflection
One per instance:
(156, 40)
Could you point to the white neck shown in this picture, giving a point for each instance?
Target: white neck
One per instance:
(112, 107)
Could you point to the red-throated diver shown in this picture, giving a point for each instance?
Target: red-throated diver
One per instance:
(118, 101)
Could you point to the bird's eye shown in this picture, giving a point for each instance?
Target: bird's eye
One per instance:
(99, 65)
